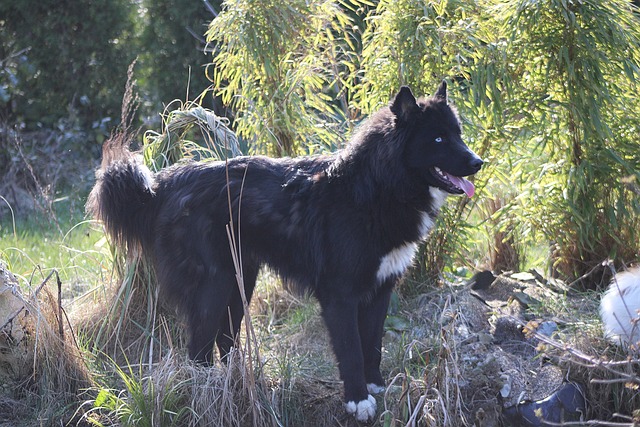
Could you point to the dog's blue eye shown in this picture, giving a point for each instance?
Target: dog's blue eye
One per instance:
(438, 139)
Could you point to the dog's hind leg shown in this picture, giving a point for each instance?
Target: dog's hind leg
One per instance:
(230, 325)
(208, 304)
(371, 316)
(341, 317)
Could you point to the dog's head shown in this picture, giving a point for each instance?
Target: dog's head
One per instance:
(434, 151)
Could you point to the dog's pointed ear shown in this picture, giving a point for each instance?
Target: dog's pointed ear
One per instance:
(441, 93)
(404, 104)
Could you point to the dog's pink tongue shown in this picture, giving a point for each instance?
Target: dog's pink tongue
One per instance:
(464, 184)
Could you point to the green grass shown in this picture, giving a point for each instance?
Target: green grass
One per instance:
(35, 244)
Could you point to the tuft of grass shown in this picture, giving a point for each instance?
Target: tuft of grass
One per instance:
(144, 400)
(53, 372)
(189, 131)
(505, 254)
(176, 391)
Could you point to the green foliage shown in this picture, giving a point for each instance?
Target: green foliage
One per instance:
(64, 60)
(212, 139)
(34, 246)
(172, 65)
(572, 70)
(546, 92)
(145, 401)
(61, 62)
(280, 66)
(415, 43)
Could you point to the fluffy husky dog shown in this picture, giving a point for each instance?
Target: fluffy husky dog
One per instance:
(620, 309)
(343, 226)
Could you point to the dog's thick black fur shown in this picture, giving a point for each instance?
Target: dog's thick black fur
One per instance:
(344, 227)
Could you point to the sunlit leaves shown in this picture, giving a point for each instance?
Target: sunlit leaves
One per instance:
(547, 92)
(279, 66)
(574, 64)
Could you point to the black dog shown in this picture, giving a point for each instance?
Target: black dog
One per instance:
(343, 226)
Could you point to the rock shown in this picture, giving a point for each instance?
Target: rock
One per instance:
(16, 354)
(547, 328)
(482, 280)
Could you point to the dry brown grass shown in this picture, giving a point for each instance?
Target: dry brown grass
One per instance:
(127, 320)
(504, 254)
(249, 391)
(436, 376)
(54, 372)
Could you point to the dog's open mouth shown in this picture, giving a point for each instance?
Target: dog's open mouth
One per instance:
(453, 184)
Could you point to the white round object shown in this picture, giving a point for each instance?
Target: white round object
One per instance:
(620, 309)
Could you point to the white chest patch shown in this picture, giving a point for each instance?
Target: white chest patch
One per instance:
(396, 262)
(426, 224)
(439, 196)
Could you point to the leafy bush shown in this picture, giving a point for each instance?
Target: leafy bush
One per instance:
(64, 60)
(279, 68)
(172, 62)
(546, 91)
(572, 78)
(70, 63)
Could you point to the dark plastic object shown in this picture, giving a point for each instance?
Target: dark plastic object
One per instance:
(566, 404)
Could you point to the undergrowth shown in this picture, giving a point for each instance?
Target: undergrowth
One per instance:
(122, 359)
(138, 372)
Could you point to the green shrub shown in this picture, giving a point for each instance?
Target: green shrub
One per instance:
(573, 70)
(65, 60)
(280, 68)
(172, 61)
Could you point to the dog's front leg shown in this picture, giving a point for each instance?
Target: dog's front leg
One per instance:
(341, 317)
(371, 317)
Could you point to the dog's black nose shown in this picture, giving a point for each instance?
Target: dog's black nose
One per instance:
(476, 163)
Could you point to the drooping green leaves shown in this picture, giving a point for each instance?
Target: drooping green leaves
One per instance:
(547, 92)
(280, 66)
(577, 66)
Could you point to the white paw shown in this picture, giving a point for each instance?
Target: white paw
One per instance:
(374, 388)
(364, 410)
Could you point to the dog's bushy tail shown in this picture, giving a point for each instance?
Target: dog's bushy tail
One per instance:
(123, 191)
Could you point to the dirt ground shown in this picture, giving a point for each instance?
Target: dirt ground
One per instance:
(513, 350)
(531, 353)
